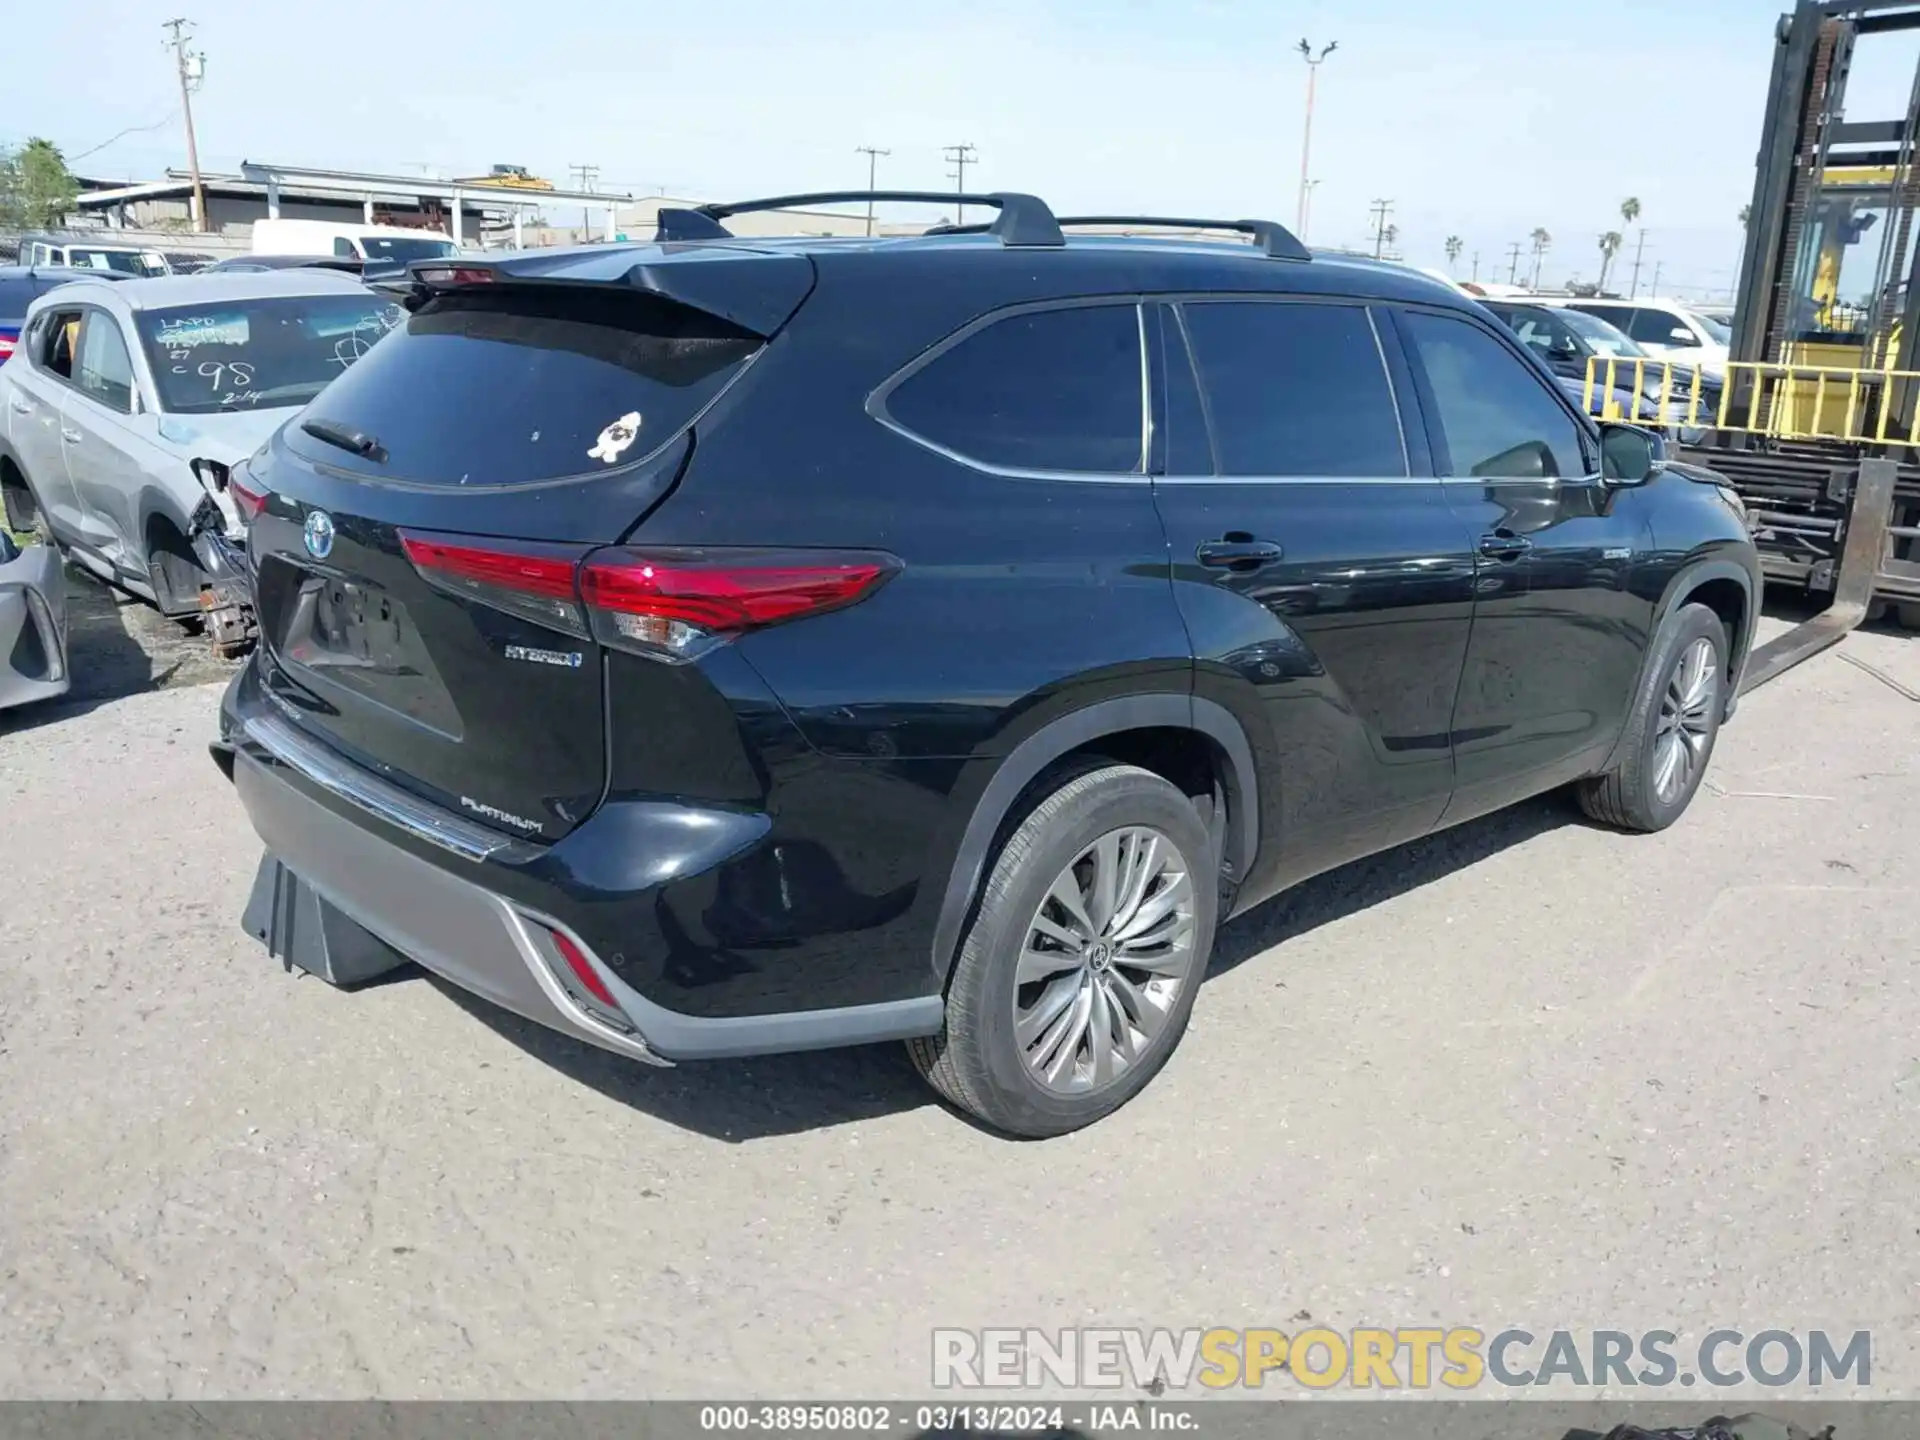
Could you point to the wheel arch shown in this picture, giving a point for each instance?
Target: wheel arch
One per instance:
(1716, 580)
(160, 512)
(1083, 730)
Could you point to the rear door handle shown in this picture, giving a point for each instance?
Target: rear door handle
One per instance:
(20, 407)
(1237, 553)
(1504, 547)
(72, 437)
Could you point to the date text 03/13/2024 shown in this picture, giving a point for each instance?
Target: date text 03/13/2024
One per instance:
(882, 1419)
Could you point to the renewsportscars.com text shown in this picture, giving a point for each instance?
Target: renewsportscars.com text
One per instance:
(1460, 1358)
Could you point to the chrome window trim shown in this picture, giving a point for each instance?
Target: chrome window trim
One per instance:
(417, 817)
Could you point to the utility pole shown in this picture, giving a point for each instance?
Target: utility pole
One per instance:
(1306, 135)
(1656, 278)
(1381, 210)
(192, 66)
(959, 156)
(1476, 267)
(1639, 246)
(585, 175)
(1306, 211)
(1513, 265)
(873, 169)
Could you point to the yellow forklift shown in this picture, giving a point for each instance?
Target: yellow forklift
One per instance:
(1817, 423)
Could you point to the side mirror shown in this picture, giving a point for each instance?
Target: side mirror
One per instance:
(1680, 335)
(1628, 454)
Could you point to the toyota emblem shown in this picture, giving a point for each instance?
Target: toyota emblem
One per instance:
(318, 534)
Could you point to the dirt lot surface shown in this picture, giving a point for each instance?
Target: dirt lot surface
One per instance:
(1526, 1072)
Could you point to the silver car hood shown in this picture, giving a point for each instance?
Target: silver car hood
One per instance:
(228, 437)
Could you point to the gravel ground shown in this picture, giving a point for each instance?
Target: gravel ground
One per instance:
(1527, 1072)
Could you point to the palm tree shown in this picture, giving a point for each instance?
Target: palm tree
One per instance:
(1454, 246)
(1745, 212)
(1541, 240)
(1609, 247)
(1630, 209)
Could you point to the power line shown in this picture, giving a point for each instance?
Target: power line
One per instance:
(959, 156)
(166, 119)
(1381, 210)
(192, 66)
(873, 169)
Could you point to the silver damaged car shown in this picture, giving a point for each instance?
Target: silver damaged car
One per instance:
(127, 405)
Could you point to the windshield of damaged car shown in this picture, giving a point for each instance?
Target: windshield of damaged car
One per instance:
(259, 354)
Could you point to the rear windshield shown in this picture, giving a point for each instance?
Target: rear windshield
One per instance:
(518, 385)
(259, 354)
(404, 249)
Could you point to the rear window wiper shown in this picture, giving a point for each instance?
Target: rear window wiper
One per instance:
(357, 442)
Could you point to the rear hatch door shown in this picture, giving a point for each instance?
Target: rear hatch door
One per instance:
(417, 528)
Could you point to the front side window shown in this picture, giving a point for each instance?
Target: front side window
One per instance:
(257, 354)
(1496, 419)
(344, 247)
(104, 371)
(1048, 390)
(1296, 389)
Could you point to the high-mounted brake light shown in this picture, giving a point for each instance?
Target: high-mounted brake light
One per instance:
(674, 603)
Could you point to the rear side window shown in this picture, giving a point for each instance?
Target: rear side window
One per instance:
(104, 370)
(1496, 418)
(1296, 389)
(1056, 390)
(516, 385)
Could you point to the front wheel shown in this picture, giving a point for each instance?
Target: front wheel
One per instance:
(1671, 730)
(1078, 974)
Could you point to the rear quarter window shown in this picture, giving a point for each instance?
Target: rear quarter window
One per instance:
(1044, 390)
(518, 385)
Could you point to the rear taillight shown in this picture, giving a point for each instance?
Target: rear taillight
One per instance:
(672, 603)
(249, 502)
(666, 604)
(8, 344)
(455, 275)
(534, 581)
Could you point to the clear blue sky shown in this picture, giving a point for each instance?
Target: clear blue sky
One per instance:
(1476, 118)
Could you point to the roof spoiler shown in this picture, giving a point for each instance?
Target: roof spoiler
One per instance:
(1023, 219)
(752, 290)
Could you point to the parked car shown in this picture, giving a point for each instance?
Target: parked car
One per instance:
(82, 254)
(33, 623)
(720, 647)
(1567, 341)
(254, 264)
(183, 262)
(20, 286)
(127, 405)
(1667, 329)
(371, 244)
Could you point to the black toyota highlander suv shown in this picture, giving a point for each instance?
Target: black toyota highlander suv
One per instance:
(718, 646)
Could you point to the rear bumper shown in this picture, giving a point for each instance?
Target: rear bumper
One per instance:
(33, 639)
(345, 835)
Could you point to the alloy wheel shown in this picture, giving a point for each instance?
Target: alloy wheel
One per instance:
(1103, 960)
(1685, 726)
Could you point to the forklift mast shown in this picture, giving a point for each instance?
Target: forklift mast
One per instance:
(1807, 136)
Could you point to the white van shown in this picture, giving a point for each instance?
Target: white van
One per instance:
(374, 244)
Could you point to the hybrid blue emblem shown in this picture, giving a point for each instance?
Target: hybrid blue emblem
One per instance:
(318, 534)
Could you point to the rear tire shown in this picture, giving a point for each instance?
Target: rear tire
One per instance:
(1068, 997)
(1671, 729)
(1908, 612)
(22, 510)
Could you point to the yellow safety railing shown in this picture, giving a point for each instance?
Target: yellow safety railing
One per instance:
(1783, 401)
